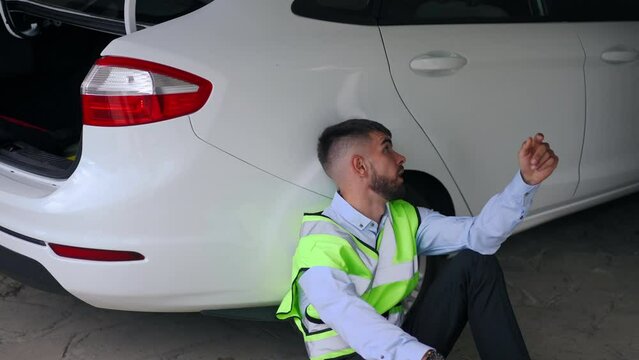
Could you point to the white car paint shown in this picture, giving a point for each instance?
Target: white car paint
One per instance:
(179, 204)
(214, 199)
(520, 79)
(610, 154)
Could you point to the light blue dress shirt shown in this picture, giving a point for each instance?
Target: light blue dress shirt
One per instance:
(373, 337)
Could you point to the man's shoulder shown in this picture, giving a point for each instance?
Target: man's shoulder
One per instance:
(320, 220)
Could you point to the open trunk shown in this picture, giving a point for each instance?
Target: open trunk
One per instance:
(40, 107)
(40, 76)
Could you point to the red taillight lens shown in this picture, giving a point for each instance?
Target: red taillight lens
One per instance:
(121, 91)
(95, 254)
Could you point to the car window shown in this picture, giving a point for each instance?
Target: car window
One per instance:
(406, 12)
(361, 12)
(593, 10)
(147, 11)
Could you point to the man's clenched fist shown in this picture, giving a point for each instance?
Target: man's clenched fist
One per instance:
(536, 160)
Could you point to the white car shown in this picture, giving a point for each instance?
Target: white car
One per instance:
(174, 177)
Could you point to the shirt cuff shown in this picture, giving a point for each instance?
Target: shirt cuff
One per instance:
(520, 185)
(519, 191)
(413, 350)
(520, 194)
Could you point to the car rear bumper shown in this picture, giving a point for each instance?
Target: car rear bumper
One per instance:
(216, 232)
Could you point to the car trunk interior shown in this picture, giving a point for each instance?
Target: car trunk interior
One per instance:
(40, 104)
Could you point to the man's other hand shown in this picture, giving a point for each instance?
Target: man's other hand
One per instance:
(536, 160)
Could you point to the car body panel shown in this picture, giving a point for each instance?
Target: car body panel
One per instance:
(347, 84)
(519, 79)
(610, 155)
(188, 215)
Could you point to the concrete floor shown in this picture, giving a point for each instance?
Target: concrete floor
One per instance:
(573, 283)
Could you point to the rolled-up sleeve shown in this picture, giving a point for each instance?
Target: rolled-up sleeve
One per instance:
(484, 233)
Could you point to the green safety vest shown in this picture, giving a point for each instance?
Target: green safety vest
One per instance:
(383, 276)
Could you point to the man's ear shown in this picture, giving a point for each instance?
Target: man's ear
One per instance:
(358, 163)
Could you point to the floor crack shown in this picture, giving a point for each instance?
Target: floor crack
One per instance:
(9, 288)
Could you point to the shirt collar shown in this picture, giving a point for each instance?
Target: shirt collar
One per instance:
(349, 213)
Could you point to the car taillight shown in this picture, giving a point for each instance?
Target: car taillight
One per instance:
(123, 91)
(74, 252)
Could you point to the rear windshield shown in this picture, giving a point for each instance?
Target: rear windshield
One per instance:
(147, 11)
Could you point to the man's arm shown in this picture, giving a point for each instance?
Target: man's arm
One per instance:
(373, 337)
(484, 233)
(500, 216)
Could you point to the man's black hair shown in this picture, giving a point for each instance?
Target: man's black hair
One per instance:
(353, 128)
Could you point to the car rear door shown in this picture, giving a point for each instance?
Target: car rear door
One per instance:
(609, 32)
(480, 76)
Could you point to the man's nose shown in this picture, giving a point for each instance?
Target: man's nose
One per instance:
(401, 159)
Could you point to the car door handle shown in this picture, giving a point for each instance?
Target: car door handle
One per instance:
(619, 56)
(438, 62)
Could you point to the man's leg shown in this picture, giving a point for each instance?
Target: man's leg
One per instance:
(468, 287)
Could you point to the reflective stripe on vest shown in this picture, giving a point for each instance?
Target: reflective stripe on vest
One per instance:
(328, 345)
(383, 276)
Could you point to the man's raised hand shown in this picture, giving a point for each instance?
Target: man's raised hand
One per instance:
(536, 160)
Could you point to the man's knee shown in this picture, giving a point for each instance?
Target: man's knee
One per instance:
(468, 255)
(477, 264)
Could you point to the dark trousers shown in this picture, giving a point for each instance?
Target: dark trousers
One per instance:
(468, 287)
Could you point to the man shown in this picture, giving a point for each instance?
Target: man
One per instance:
(356, 262)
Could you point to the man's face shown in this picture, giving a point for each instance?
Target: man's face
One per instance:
(387, 170)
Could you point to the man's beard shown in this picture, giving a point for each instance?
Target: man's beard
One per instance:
(386, 188)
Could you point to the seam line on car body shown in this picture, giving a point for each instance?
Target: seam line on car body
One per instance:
(390, 72)
(583, 138)
(248, 163)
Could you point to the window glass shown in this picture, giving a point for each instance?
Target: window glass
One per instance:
(401, 12)
(344, 11)
(593, 10)
(147, 11)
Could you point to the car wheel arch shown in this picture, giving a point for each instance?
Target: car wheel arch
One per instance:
(423, 189)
